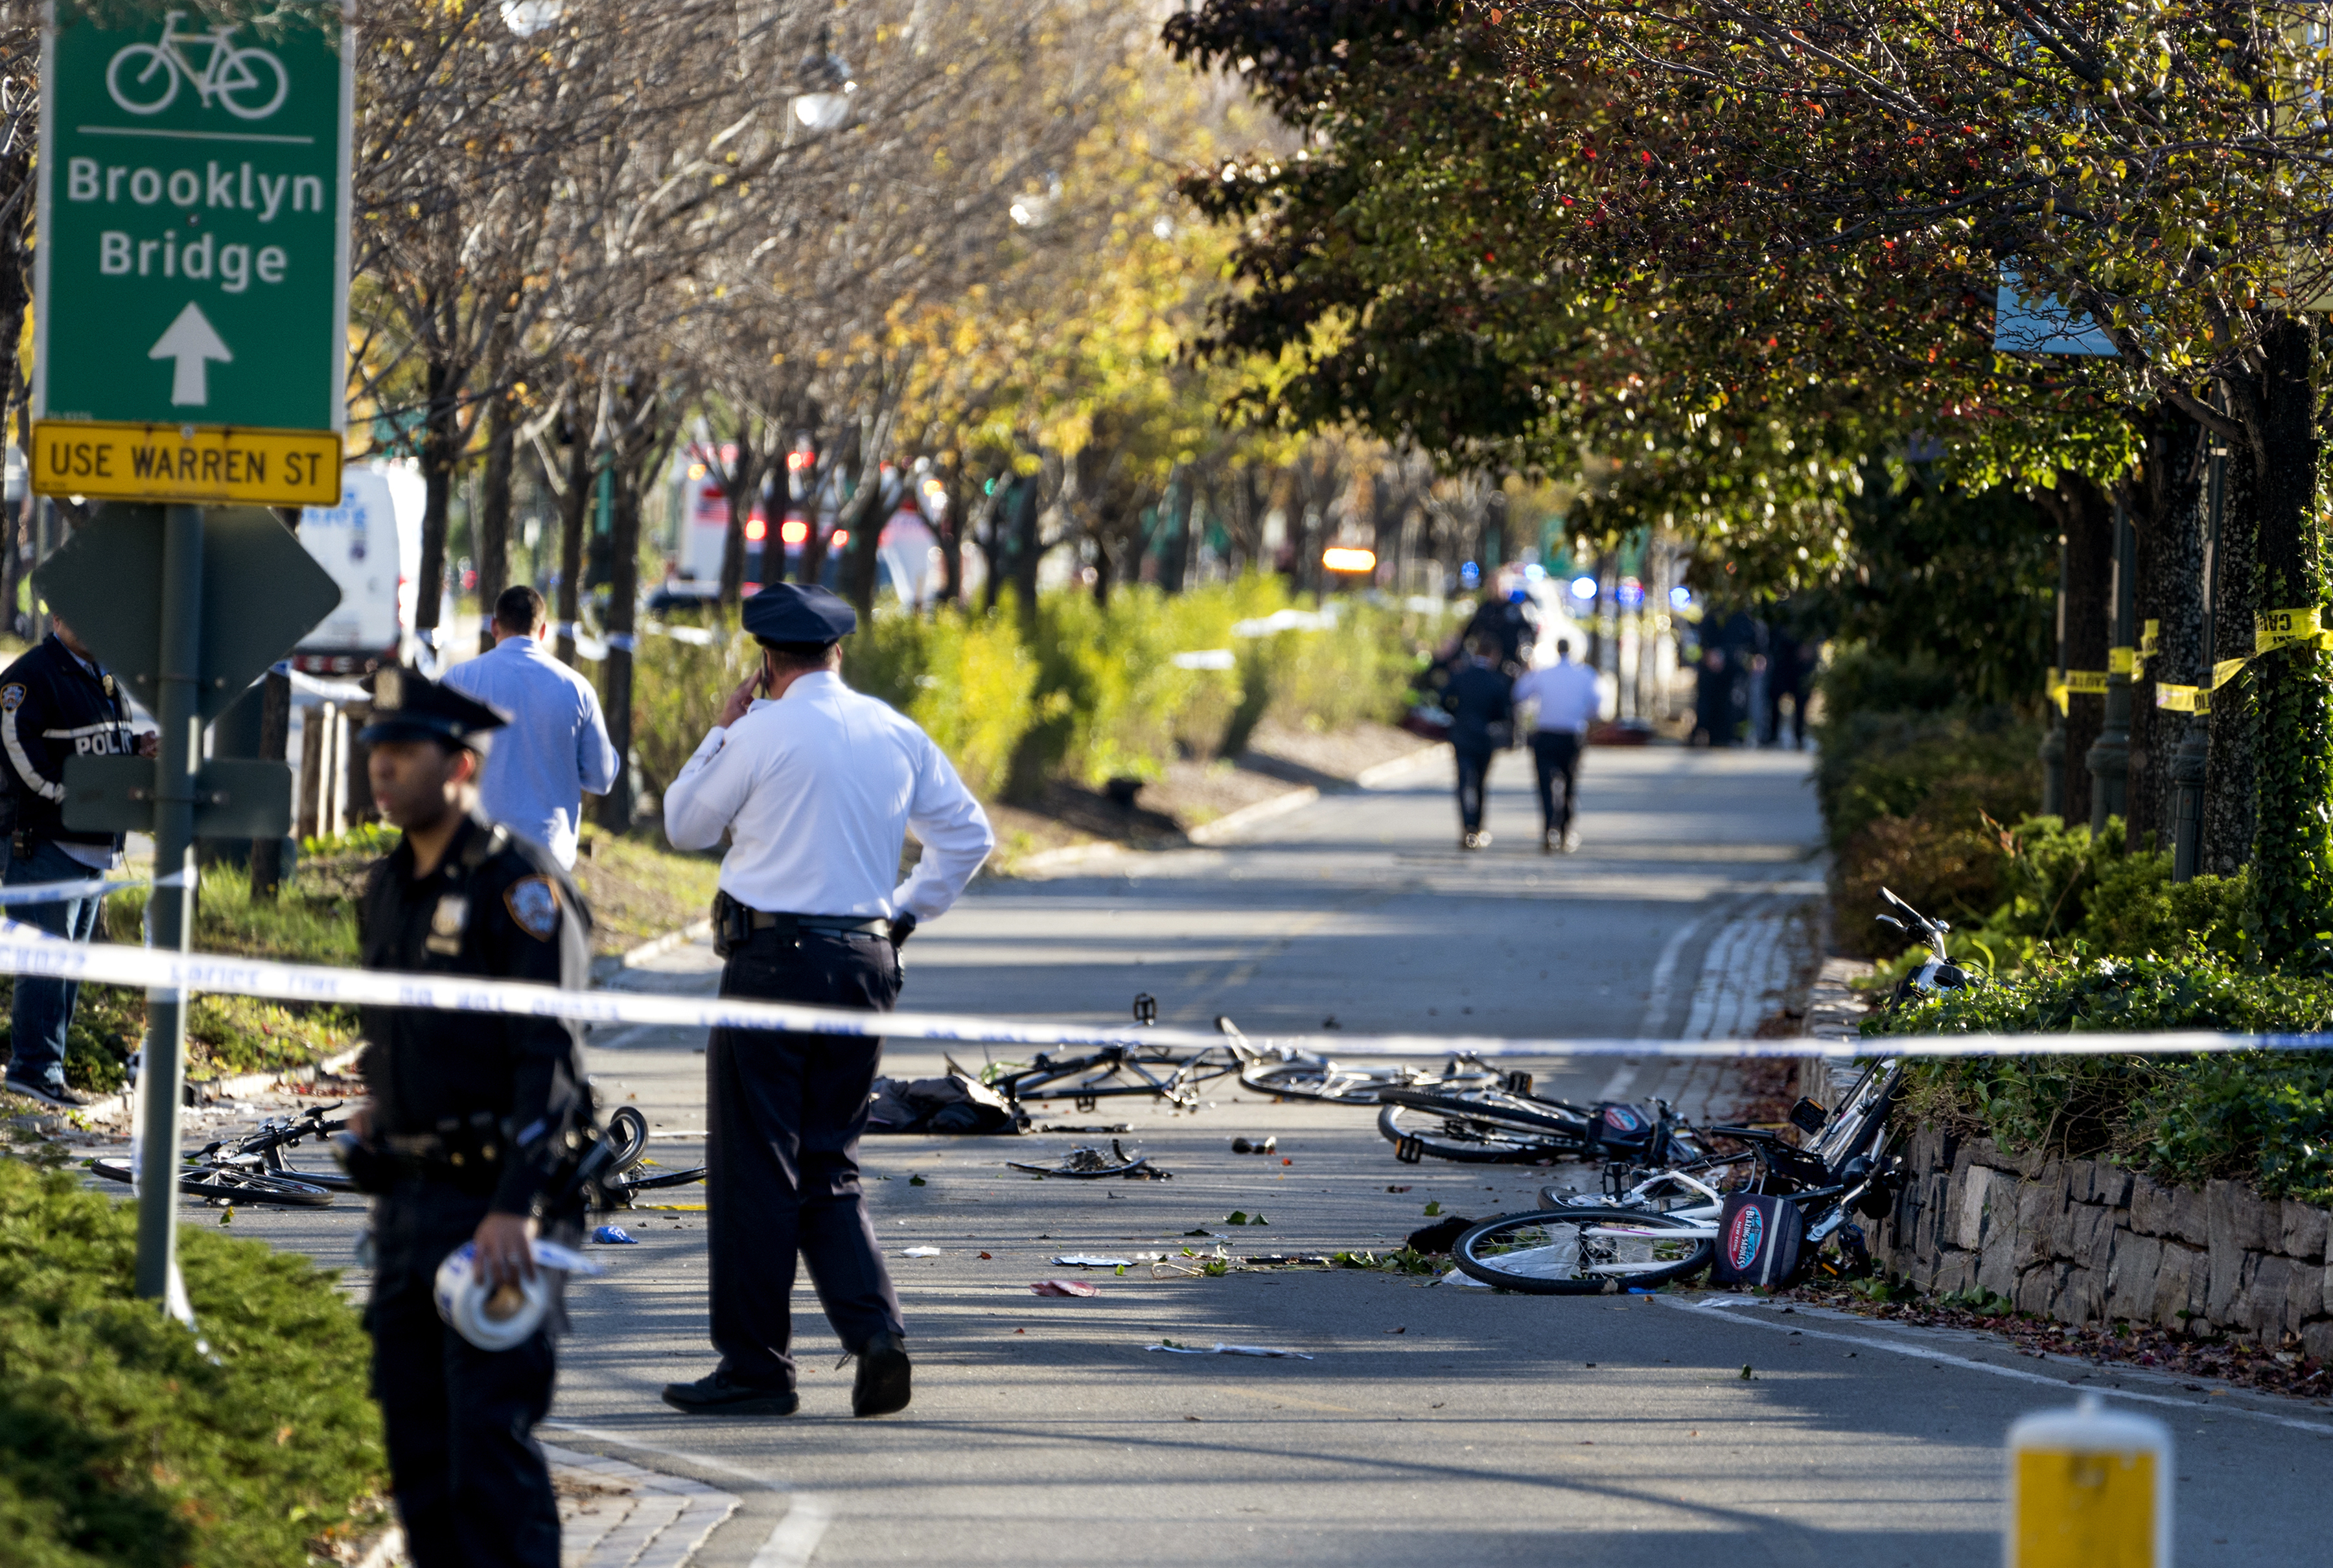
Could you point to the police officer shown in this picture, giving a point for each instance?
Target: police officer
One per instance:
(816, 786)
(468, 1121)
(55, 701)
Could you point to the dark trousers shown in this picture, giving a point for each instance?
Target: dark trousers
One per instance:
(783, 1115)
(1473, 776)
(471, 1484)
(43, 1009)
(1556, 754)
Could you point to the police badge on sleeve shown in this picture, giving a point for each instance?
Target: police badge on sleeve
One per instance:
(535, 905)
(12, 697)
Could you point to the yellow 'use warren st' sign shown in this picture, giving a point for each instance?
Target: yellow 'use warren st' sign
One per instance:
(187, 462)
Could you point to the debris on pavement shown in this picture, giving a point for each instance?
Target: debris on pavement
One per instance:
(958, 1103)
(1242, 1217)
(1064, 1287)
(921, 1252)
(1090, 1163)
(1400, 1189)
(1287, 1260)
(614, 1236)
(1092, 1260)
(1112, 1127)
(1242, 1146)
(1171, 1348)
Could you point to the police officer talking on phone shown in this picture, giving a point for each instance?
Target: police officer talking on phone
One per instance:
(817, 787)
(467, 1125)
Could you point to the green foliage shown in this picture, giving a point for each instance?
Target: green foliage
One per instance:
(968, 680)
(1958, 586)
(125, 1440)
(678, 689)
(1111, 691)
(2264, 1118)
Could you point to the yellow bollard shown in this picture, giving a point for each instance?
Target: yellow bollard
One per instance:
(2089, 1487)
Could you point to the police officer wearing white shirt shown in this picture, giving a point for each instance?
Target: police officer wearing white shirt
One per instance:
(816, 785)
(1567, 703)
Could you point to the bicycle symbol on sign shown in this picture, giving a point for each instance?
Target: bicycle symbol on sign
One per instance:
(238, 79)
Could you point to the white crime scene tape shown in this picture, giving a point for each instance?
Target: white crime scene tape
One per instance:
(61, 892)
(25, 951)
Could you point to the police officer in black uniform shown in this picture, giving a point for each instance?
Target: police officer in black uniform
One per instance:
(56, 702)
(471, 1118)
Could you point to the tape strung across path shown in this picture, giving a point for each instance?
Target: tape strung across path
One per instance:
(25, 951)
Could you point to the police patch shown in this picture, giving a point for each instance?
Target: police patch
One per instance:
(535, 907)
(12, 698)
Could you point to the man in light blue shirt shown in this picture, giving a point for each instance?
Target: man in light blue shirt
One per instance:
(554, 750)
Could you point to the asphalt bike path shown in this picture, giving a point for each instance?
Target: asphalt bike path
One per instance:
(1434, 1421)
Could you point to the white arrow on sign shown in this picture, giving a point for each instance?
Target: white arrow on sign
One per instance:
(192, 341)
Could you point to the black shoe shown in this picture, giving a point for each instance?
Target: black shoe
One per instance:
(882, 1386)
(719, 1395)
(59, 1096)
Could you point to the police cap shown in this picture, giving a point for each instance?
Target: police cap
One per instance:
(407, 706)
(786, 612)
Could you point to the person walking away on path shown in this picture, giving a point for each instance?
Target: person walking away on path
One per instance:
(555, 750)
(468, 1121)
(1481, 722)
(817, 787)
(55, 701)
(1788, 674)
(1567, 701)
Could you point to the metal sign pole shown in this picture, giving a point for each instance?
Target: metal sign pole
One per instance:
(170, 913)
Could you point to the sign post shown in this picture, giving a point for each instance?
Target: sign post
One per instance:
(191, 347)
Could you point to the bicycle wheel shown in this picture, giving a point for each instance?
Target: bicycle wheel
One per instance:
(1416, 1135)
(144, 96)
(1584, 1251)
(1311, 1081)
(1544, 1117)
(228, 1182)
(628, 1136)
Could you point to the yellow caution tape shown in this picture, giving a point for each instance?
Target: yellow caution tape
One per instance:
(2227, 670)
(2122, 661)
(2274, 629)
(2076, 684)
(2182, 698)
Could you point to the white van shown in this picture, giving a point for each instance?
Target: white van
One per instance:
(372, 545)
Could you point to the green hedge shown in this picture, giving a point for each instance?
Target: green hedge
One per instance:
(1077, 690)
(125, 1440)
(2264, 1118)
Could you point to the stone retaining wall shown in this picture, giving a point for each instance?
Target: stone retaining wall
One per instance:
(2081, 1240)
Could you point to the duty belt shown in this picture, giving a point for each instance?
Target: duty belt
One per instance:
(734, 923)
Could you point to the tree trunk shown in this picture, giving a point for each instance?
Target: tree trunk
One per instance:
(1027, 534)
(2088, 517)
(2170, 557)
(2229, 775)
(441, 454)
(571, 507)
(865, 528)
(2290, 834)
(274, 741)
(615, 809)
(494, 513)
(742, 482)
(1175, 559)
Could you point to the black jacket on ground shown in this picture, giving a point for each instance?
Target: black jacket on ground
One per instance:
(52, 707)
(500, 907)
(1478, 698)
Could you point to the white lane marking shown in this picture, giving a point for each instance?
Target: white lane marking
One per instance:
(1616, 1088)
(1895, 1346)
(1656, 1001)
(790, 1545)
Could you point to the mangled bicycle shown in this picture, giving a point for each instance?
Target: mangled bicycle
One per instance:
(1760, 1216)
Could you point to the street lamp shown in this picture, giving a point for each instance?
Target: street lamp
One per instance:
(824, 104)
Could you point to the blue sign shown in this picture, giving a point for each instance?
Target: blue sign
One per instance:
(2048, 325)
